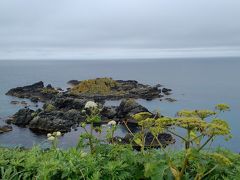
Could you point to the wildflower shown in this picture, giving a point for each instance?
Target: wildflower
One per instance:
(222, 107)
(83, 111)
(112, 123)
(58, 133)
(90, 104)
(49, 135)
(51, 138)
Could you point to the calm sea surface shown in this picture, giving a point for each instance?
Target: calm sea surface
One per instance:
(196, 83)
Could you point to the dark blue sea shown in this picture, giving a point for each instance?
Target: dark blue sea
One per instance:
(196, 82)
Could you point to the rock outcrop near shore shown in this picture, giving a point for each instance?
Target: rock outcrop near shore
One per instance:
(35, 92)
(100, 89)
(62, 110)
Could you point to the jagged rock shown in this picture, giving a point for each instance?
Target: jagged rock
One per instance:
(129, 107)
(34, 92)
(108, 113)
(22, 117)
(56, 121)
(25, 90)
(69, 103)
(62, 110)
(74, 115)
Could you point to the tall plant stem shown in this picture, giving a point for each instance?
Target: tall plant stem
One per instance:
(187, 142)
(90, 138)
(206, 142)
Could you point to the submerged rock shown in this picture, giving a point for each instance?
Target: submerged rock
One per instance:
(5, 128)
(170, 99)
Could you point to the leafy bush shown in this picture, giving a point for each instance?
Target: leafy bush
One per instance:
(112, 162)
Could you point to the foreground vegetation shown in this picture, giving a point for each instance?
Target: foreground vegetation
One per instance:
(114, 162)
(110, 159)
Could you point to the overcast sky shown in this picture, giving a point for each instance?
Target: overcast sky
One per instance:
(76, 29)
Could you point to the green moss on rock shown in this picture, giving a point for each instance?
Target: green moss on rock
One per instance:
(95, 86)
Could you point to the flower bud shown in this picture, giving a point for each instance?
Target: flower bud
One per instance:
(112, 123)
(58, 133)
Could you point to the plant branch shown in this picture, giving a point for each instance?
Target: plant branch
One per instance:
(204, 144)
(177, 135)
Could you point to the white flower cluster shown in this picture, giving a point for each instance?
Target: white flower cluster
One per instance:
(112, 123)
(54, 135)
(90, 104)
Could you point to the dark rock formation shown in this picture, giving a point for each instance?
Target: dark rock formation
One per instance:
(22, 117)
(129, 107)
(108, 113)
(24, 92)
(69, 103)
(166, 91)
(34, 92)
(56, 121)
(62, 110)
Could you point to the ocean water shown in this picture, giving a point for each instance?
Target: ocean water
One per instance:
(196, 82)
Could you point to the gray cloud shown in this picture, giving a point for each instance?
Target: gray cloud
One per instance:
(34, 26)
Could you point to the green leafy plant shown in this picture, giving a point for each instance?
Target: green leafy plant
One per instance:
(92, 116)
(120, 161)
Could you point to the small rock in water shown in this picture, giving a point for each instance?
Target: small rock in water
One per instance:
(166, 91)
(5, 128)
(24, 103)
(15, 102)
(170, 99)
